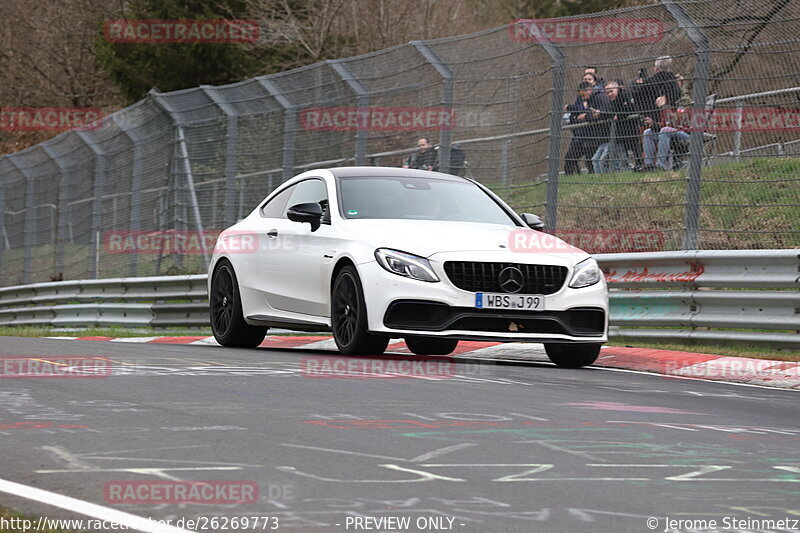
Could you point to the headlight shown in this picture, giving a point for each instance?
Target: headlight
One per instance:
(587, 272)
(403, 264)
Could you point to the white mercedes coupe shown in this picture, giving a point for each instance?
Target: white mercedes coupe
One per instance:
(373, 253)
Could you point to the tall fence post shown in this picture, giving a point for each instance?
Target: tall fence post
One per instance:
(554, 150)
(737, 135)
(362, 101)
(135, 220)
(699, 93)
(4, 235)
(97, 204)
(289, 125)
(182, 153)
(30, 224)
(232, 138)
(63, 206)
(448, 90)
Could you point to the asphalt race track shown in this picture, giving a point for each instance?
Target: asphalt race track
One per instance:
(464, 448)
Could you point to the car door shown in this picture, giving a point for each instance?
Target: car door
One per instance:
(292, 263)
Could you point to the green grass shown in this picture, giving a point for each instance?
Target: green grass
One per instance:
(42, 331)
(738, 350)
(746, 205)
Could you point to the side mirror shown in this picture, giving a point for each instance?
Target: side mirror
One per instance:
(310, 212)
(533, 221)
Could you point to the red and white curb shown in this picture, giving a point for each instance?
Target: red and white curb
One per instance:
(766, 372)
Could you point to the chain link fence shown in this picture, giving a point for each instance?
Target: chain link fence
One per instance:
(146, 191)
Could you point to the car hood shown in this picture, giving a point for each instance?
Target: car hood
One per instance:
(427, 238)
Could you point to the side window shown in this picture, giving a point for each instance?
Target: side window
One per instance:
(308, 191)
(276, 207)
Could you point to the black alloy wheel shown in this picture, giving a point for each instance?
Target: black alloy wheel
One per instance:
(227, 322)
(349, 317)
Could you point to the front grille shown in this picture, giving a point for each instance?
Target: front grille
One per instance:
(476, 276)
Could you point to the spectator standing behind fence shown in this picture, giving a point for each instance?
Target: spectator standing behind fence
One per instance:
(424, 158)
(590, 77)
(654, 95)
(583, 144)
(598, 82)
(610, 153)
(628, 136)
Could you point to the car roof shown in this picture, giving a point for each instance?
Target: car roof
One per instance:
(381, 172)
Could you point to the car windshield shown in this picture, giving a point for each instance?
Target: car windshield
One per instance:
(415, 198)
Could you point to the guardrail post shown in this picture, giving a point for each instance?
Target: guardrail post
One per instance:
(699, 94)
(63, 206)
(232, 133)
(554, 151)
(30, 225)
(97, 205)
(289, 125)
(182, 153)
(447, 100)
(362, 101)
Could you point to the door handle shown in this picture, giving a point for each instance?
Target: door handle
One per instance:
(272, 233)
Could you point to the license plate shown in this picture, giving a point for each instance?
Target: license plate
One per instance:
(527, 302)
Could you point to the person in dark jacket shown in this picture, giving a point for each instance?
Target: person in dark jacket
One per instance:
(654, 95)
(424, 158)
(582, 145)
(628, 133)
(610, 153)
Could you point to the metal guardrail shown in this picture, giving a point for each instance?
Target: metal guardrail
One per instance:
(719, 296)
(162, 301)
(750, 296)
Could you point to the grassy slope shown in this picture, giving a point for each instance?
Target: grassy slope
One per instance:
(745, 199)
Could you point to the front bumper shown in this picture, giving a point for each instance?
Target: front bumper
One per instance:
(404, 307)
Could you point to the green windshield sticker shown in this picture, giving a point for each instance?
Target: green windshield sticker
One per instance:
(352, 212)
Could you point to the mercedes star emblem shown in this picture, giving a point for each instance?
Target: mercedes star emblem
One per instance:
(511, 279)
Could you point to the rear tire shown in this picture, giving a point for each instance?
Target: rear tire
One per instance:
(349, 317)
(225, 306)
(568, 355)
(431, 345)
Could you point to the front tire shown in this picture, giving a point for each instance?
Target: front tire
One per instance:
(568, 355)
(431, 345)
(349, 317)
(227, 322)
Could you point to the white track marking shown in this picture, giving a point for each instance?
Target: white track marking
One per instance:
(442, 451)
(93, 510)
